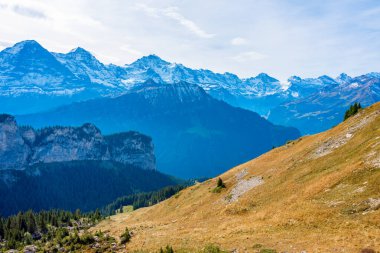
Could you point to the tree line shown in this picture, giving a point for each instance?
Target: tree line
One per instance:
(143, 199)
(28, 227)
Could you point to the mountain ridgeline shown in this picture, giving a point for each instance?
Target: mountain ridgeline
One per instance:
(24, 146)
(31, 75)
(194, 134)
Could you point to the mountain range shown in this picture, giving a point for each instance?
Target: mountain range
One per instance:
(33, 79)
(183, 121)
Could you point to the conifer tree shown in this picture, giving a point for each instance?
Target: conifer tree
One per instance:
(220, 183)
(2, 232)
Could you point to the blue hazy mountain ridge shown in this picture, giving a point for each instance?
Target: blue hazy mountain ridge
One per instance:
(194, 134)
(33, 79)
(320, 110)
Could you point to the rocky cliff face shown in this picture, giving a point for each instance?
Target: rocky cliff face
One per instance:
(24, 146)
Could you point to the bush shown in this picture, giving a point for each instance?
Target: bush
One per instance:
(125, 237)
(87, 239)
(212, 249)
(268, 251)
(168, 249)
(367, 251)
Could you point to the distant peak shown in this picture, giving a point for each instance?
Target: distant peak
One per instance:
(324, 77)
(262, 75)
(152, 56)
(80, 51)
(26, 44)
(343, 77)
(293, 79)
(82, 54)
(149, 60)
(327, 79)
(266, 78)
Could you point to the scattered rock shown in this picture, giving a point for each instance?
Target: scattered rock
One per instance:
(374, 203)
(30, 249)
(243, 185)
(12, 251)
(337, 141)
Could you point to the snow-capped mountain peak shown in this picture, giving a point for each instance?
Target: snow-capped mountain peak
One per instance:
(30, 45)
(326, 80)
(294, 79)
(266, 78)
(150, 61)
(343, 78)
(81, 54)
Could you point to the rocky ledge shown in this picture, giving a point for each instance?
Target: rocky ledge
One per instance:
(22, 146)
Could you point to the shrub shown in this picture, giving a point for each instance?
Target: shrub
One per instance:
(367, 251)
(87, 239)
(212, 249)
(125, 237)
(268, 251)
(167, 249)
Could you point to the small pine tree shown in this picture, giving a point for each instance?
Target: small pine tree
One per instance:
(2, 232)
(220, 183)
(121, 209)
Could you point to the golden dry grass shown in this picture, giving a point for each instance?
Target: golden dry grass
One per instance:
(307, 202)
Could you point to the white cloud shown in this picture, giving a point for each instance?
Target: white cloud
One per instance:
(238, 41)
(249, 56)
(29, 12)
(279, 37)
(174, 14)
(129, 49)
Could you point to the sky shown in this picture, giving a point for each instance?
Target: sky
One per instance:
(244, 37)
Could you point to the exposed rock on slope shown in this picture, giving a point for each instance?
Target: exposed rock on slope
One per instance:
(24, 146)
(305, 200)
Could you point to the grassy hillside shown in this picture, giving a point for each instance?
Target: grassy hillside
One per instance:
(320, 193)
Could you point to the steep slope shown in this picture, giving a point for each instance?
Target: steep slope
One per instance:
(21, 147)
(321, 108)
(320, 193)
(184, 123)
